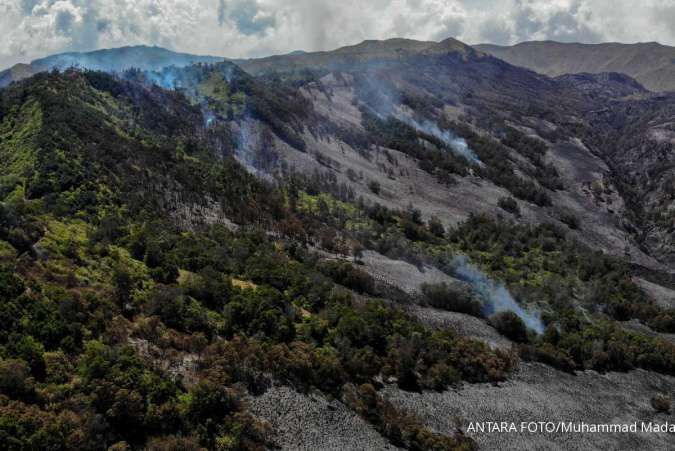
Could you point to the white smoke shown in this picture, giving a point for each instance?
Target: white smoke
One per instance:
(209, 116)
(386, 107)
(456, 143)
(165, 79)
(496, 298)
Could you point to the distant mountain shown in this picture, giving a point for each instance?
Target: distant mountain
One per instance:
(109, 60)
(652, 64)
(604, 84)
(345, 57)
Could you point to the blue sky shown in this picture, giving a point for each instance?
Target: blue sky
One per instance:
(242, 28)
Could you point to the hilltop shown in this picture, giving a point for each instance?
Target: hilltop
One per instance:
(117, 59)
(371, 51)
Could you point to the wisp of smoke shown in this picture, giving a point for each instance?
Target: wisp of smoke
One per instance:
(165, 79)
(209, 116)
(456, 143)
(385, 106)
(496, 298)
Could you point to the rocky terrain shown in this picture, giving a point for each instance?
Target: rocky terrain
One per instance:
(310, 422)
(538, 393)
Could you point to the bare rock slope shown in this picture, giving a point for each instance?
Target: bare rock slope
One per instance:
(312, 422)
(540, 393)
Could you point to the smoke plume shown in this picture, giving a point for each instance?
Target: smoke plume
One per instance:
(496, 298)
(385, 103)
(456, 143)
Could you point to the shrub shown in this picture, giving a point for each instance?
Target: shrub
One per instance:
(10, 285)
(210, 288)
(548, 354)
(15, 379)
(262, 312)
(509, 204)
(349, 276)
(209, 401)
(510, 325)
(436, 227)
(171, 443)
(399, 427)
(661, 403)
(570, 220)
(454, 298)
(374, 186)
(178, 311)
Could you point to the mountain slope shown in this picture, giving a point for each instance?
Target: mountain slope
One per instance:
(652, 64)
(184, 250)
(116, 206)
(118, 59)
(469, 94)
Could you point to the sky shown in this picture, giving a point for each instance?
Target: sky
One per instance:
(251, 28)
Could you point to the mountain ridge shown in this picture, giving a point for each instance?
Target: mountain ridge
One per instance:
(113, 59)
(366, 51)
(651, 63)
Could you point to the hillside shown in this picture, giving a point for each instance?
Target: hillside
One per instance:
(118, 59)
(652, 64)
(335, 251)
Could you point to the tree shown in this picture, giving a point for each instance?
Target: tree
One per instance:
(661, 403)
(436, 227)
(124, 283)
(455, 298)
(509, 204)
(10, 285)
(510, 325)
(15, 380)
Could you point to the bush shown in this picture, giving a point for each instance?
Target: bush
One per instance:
(210, 401)
(178, 311)
(262, 312)
(510, 325)
(10, 285)
(454, 298)
(509, 204)
(436, 227)
(661, 403)
(570, 220)
(548, 354)
(348, 275)
(374, 186)
(399, 427)
(15, 380)
(210, 288)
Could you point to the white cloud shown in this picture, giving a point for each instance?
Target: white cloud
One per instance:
(34, 28)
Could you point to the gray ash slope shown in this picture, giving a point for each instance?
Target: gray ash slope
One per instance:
(540, 393)
(617, 184)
